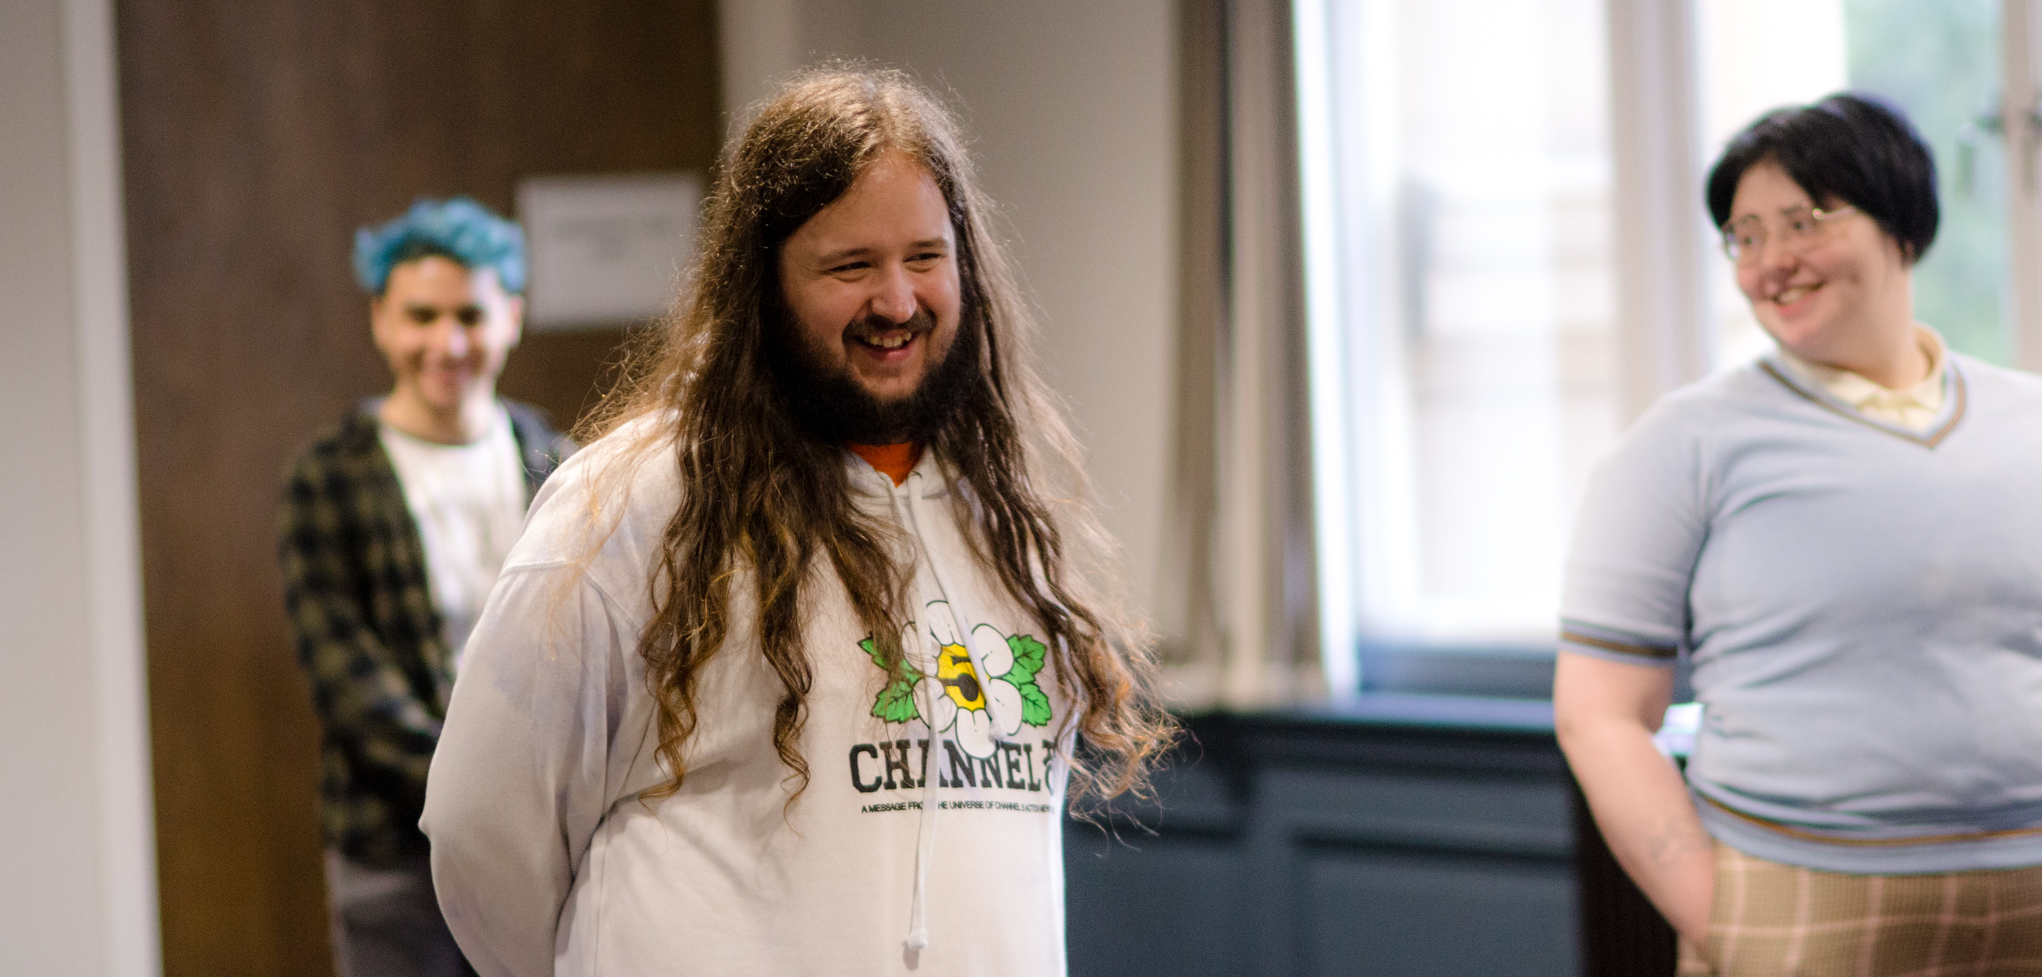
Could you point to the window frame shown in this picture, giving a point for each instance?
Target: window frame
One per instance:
(1664, 306)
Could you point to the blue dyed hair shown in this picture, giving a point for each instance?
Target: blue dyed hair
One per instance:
(459, 229)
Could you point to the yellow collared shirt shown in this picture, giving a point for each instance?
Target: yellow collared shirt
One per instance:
(1914, 408)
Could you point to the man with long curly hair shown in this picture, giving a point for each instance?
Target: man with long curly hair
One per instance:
(787, 673)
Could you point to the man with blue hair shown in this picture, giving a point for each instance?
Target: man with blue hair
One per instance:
(392, 529)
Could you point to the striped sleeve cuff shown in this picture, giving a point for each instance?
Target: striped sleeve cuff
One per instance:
(1618, 646)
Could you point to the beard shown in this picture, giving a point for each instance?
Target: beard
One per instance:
(828, 403)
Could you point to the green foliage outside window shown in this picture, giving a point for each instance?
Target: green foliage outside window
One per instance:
(1940, 63)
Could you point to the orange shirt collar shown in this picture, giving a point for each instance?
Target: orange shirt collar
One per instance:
(896, 460)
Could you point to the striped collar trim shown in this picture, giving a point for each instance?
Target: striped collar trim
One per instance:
(1953, 411)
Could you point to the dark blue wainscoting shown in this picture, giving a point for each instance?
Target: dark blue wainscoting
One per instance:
(1405, 835)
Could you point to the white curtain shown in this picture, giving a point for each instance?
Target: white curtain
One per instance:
(1238, 609)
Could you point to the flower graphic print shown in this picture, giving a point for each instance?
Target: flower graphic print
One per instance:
(979, 685)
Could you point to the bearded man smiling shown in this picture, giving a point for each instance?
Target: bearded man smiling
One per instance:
(819, 586)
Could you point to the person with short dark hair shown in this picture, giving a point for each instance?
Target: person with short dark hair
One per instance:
(1843, 148)
(786, 674)
(391, 531)
(1845, 538)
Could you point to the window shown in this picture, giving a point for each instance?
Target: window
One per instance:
(1940, 63)
(1460, 161)
(1466, 164)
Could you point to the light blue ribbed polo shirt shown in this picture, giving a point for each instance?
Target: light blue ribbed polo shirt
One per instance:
(1863, 604)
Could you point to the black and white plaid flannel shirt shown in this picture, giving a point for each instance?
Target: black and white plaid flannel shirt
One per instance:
(367, 633)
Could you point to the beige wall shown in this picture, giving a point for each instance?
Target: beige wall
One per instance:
(1071, 105)
(76, 854)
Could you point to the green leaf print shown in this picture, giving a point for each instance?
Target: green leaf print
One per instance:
(896, 702)
(1028, 654)
(1034, 705)
(1028, 659)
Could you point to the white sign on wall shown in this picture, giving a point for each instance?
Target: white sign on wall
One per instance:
(605, 251)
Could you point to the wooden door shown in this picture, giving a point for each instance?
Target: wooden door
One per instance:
(257, 137)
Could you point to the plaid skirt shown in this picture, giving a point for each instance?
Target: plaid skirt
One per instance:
(1774, 920)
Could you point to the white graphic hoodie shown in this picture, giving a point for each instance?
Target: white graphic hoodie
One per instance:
(909, 852)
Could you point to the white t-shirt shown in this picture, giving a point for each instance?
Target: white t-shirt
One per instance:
(469, 503)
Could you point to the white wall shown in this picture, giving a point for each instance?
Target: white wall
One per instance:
(1071, 105)
(77, 858)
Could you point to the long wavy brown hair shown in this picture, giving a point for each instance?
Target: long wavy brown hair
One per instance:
(764, 498)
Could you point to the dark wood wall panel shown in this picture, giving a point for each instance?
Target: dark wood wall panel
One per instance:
(257, 137)
(1397, 835)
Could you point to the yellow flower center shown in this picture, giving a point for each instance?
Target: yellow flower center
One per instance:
(960, 680)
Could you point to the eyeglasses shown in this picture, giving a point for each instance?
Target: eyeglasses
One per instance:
(1744, 238)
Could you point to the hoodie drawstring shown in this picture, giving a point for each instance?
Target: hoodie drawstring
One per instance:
(925, 837)
(925, 841)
